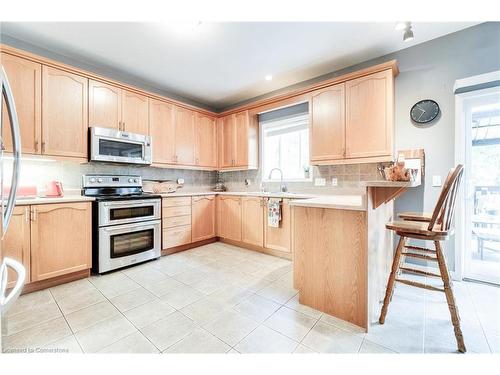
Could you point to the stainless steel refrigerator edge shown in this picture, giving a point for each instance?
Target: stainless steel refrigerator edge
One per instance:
(7, 298)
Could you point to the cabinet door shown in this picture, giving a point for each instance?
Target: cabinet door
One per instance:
(184, 136)
(203, 217)
(230, 220)
(135, 112)
(206, 143)
(252, 220)
(16, 243)
(162, 131)
(327, 124)
(279, 238)
(227, 141)
(369, 115)
(64, 113)
(25, 78)
(53, 228)
(105, 105)
(241, 123)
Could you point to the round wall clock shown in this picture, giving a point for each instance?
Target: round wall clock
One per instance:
(424, 111)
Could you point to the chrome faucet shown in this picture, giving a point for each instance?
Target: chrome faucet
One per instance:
(283, 187)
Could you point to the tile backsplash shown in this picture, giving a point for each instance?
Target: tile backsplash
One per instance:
(39, 172)
(348, 175)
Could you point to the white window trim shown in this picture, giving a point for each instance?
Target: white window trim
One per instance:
(299, 119)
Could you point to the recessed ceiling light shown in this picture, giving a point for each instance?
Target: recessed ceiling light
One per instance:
(401, 26)
(269, 77)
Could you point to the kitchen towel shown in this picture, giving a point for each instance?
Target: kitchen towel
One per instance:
(274, 212)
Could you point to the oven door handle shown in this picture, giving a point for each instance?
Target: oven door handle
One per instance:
(132, 203)
(124, 228)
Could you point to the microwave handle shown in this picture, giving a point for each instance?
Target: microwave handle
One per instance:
(16, 149)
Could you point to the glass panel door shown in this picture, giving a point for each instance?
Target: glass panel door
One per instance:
(482, 187)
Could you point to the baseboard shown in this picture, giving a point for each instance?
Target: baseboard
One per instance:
(176, 249)
(44, 284)
(259, 249)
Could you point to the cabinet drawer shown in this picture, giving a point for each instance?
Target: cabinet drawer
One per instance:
(170, 222)
(176, 211)
(177, 201)
(176, 236)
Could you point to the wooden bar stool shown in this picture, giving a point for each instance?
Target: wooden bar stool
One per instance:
(429, 227)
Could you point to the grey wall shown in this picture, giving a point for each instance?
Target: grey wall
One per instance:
(429, 70)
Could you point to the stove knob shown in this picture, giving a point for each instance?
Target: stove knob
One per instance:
(130, 180)
(99, 180)
(92, 180)
(136, 180)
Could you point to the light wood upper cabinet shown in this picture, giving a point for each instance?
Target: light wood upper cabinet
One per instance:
(279, 238)
(327, 124)
(370, 115)
(135, 112)
(25, 78)
(230, 217)
(227, 141)
(184, 136)
(252, 226)
(206, 141)
(105, 105)
(64, 113)
(16, 243)
(162, 131)
(238, 141)
(116, 108)
(203, 217)
(52, 229)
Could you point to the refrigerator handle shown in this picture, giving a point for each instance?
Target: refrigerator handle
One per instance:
(6, 301)
(16, 149)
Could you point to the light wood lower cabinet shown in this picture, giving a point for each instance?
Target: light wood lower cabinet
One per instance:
(279, 238)
(230, 217)
(17, 242)
(252, 220)
(203, 217)
(176, 221)
(60, 239)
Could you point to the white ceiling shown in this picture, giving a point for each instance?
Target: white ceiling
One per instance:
(220, 64)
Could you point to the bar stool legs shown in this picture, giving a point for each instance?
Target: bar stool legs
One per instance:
(450, 298)
(392, 278)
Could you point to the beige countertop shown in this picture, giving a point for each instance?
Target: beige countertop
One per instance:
(47, 200)
(385, 183)
(340, 202)
(241, 193)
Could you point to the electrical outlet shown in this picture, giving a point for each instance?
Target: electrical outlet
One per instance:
(334, 181)
(248, 182)
(436, 181)
(180, 181)
(319, 181)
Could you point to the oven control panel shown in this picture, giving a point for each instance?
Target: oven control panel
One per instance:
(95, 180)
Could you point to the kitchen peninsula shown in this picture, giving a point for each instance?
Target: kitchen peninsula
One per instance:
(343, 252)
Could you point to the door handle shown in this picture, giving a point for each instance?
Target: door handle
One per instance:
(16, 147)
(7, 300)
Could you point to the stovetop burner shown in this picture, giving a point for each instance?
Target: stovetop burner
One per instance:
(114, 187)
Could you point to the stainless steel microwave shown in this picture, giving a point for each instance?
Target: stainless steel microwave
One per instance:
(115, 146)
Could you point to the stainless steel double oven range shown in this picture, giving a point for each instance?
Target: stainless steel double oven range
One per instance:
(126, 221)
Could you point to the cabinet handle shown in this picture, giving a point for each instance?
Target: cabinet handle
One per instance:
(123, 125)
(26, 214)
(36, 146)
(197, 161)
(43, 147)
(34, 214)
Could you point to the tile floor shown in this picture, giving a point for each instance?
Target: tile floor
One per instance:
(223, 299)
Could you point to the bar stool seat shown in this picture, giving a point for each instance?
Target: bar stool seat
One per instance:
(416, 216)
(435, 227)
(420, 229)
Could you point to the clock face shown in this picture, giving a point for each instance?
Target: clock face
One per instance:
(424, 111)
